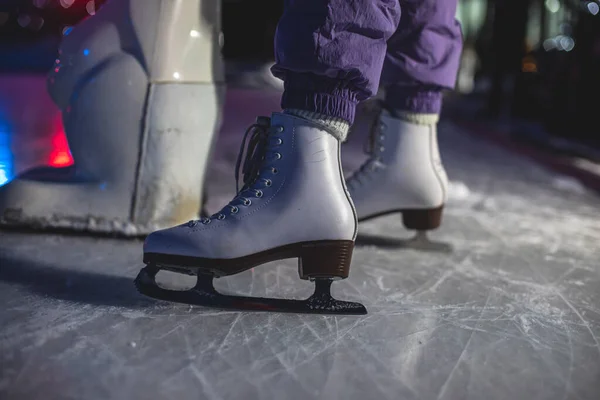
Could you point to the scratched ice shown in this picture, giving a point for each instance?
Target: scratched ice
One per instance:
(512, 313)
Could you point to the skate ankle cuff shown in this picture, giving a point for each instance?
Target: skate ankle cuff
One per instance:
(335, 126)
(416, 118)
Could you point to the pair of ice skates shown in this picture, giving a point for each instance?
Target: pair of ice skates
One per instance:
(295, 203)
(140, 85)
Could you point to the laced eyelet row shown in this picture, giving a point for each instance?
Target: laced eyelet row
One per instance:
(257, 192)
(382, 129)
(375, 157)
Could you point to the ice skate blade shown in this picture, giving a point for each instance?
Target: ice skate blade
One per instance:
(204, 294)
(419, 242)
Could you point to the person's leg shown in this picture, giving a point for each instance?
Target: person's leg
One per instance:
(293, 202)
(404, 173)
(330, 54)
(423, 56)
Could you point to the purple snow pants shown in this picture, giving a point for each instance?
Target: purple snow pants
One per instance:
(333, 54)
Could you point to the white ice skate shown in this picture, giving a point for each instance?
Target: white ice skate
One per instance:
(403, 175)
(140, 87)
(293, 204)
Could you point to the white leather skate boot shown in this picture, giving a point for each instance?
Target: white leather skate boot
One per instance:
(293, 204)
(403, 174)
(140, 86)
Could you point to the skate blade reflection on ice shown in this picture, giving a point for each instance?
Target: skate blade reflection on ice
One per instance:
(419, 242)
(205, 294)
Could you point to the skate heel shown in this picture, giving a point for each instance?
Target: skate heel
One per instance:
(325, 259)
(422, 220)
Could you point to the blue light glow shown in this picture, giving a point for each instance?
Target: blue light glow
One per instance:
(6, 156)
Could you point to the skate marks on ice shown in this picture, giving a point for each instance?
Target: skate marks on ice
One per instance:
(500, 330)
(473, 323)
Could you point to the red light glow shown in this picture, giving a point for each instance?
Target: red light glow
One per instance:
(60, 155)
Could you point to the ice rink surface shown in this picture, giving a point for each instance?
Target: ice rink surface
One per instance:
(512, 312)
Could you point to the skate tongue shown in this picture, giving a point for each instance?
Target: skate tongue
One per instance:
(249, 165)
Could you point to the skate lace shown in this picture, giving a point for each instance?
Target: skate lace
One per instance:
(260, 151)
(374, 147)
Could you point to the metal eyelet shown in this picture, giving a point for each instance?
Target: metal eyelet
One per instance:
(206, 221)
(235, 210)
(247, 202)
(280, 129)
(220, 217)
(268, 183)
(278, 156)
(259, 193)
(275, 171)
(279, 141)
(381, 149)
(382, 126)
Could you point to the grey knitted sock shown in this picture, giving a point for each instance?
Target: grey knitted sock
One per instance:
(417, 118)
(336, 126)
